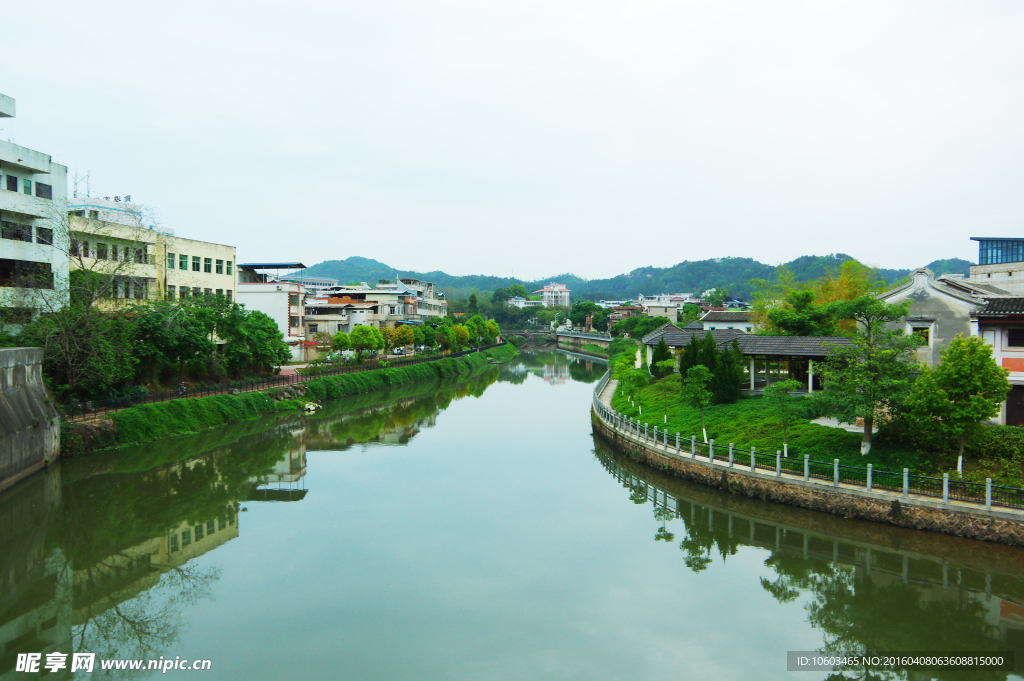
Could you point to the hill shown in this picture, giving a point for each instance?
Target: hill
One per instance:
(686, 277)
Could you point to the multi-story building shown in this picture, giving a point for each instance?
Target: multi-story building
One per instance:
(33, 240)
(115, 238)
(404, 301)
(282, 301)
(313, 285)
(521, 302)
(554, 294)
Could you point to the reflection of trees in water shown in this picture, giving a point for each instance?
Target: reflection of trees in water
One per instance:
(864, 599)
(551, 364)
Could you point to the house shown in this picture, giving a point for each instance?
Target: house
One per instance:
(404, 301)
(313, 285)
(554, 294)
(33, 240)
(282, 301)
(940, 309)
(726, 319)
(522, 303)
(113, 237)
(667, 310)
(1001, 324)
(621, 312)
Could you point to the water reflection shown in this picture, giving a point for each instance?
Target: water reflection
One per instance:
(866, 587)
(97, 554)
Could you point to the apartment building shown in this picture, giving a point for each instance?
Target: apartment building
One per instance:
(554, 294)
(313, 285)
(404, 301)
(114, 237)
(33, 237)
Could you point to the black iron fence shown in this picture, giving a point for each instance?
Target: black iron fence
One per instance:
(835, 473)
(77, 411)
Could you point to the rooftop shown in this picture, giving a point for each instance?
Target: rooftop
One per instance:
(726, 316)
(999, 307)
(811, 347)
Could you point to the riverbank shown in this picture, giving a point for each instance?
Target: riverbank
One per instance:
(151, 422)
(1000, 525)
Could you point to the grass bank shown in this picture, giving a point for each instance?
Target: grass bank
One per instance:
(994, 451)
(149, 422)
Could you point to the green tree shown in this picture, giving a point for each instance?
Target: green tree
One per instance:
(340, 341)
(500, 295)
(461, 335)
(403, 335)
(666, 367)
(695, 392)
(418, 337)
(701, 350)
(389, 339)
(169, 335)
(659, 357)
(472, 307)
(255, 343)
(875, 371)
(716, 296)
(727, 374)
(518, 290)
(803, 317)
(365, 338)
(780, 395)
(446, 337)
(966, 388)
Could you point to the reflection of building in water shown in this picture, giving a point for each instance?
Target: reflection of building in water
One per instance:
(980, 575)
(555, 374)
(287, 481)
(35, 612)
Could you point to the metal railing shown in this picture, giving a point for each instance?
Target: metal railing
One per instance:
(833, 473)
(77, 411)
(579, 334)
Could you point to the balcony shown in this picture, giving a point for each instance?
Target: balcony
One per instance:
(24, 159)
(24, 204)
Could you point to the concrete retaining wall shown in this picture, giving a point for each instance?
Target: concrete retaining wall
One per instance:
(29, 423)
(1002, 526)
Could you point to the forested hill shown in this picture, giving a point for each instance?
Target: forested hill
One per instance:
(686, 277)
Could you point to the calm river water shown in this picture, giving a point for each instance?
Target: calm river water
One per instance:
(473, 530)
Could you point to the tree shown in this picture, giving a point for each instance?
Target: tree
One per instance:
(690, 313)
(780, 395)
(171, 336)
(461, 334)
(659, 357)
(966, 388)
(701, 350)
(874, 372)
(403, 335)
(666, 367)
(446, 337)
(472, 308)
(418, 336)
(727, 374)
(388, 336)
(580, 310)
(716, 297)
(256, 343)
(518, 291)
(803, 317)
(340, 341)
(500, 295)
(696, 393)
(365, 338)
(493, 330)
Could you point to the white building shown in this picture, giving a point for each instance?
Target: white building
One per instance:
(554, 294)
(34, 243)
(283, 302)
(727, 319)
(521, 302)
(115, 236)
(313, 285)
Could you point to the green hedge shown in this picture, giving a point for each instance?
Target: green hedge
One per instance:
(149, 422)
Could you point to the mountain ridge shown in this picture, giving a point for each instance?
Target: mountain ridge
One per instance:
(692, 276)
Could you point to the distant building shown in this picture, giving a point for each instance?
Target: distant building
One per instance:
(667, 310)
(521, 302)
(554, 294)
(282, 301)
(34, 243)
(727, 319)
(313, 285)
(1000, 264)
(404, 301)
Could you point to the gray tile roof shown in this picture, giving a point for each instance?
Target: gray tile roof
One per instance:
(998, 307)
(726, 316)
(812, 347)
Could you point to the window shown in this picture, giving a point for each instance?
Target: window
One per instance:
(94, 214)
(101, 251)
(209, 527)
(220, 293)
(85, 249)
(199, 532)
(44, 235)
(140, 256)
(170, 292)
(196, 263)
(925, 332)
(207, 291)
(74, 247)
(16, 232)
(174, 542)
(293, 299)
(220, 267)
(140, 289)
(313, 328)
(78, 213)
(195, 291)
(12, 183)
(44, 191)
(228, 292)
(27, 186)
(183, 262)
(1015, 338)
(208, 265)
(113, 251)
(186, 537)
(293, 321)
(221, 524)
(25, 274)
(229, 266)
(170, 261)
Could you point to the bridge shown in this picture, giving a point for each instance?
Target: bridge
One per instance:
(576, 339)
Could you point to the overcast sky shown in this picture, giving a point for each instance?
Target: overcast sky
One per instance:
(541, 137)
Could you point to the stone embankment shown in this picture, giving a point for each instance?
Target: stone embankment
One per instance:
(1000, 525)
(29, 423)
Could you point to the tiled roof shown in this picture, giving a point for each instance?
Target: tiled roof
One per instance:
(694, 325)
(1002, 306)
(813, 347)
(726, 316)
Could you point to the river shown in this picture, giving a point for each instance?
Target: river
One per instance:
(471, 530)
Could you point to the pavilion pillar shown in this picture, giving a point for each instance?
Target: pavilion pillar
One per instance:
(752, 368)
(767, 371)
(810, 376)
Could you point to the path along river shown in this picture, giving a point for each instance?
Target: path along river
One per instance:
(466, 531)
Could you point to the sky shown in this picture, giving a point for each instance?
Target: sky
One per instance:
(535, 138)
